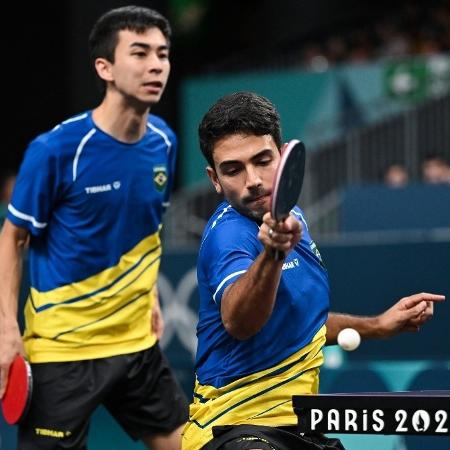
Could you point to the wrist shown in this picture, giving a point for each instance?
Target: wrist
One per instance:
(273, 254)
(375, 327)
(9, 326)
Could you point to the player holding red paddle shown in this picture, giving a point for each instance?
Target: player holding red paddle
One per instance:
(263, 315)
(18, 390)
(89, 199)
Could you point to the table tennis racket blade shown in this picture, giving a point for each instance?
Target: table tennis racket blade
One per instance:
(17, 396)
(288, 182)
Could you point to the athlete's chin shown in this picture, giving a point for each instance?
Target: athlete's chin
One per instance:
(151, 100)
(253, 213)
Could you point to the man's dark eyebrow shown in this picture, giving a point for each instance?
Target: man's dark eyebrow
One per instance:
(146, 46)
(230, 162)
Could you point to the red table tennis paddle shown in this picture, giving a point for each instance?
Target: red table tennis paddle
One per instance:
(287, 183)
(17, 396)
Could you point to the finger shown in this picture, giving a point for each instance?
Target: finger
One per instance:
(413, 300)
(282, 241)
(3, 373)
(265, 235)
(413, 312)
(289, 224)
(416, 322)
(285, 247)
(419, 309)
(268, 220)
(282, 238)
(421, 319)
(429, 310)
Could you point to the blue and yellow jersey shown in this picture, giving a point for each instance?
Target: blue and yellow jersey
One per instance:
(252, 381)
(93, 207)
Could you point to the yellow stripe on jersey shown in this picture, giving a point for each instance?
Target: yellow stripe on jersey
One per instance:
(263, 398)
(104, 315)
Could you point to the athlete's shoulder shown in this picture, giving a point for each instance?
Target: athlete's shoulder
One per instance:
(224, 215)
(73, 128)
(225, 223)
(74, 124)
(160, 126)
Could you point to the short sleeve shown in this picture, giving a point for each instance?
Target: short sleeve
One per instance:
(35, 189)
(227, 253)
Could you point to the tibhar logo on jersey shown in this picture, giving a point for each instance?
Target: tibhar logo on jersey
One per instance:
(160, 177)
(290, 264)
(103, 187)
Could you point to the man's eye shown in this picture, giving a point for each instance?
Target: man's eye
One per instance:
(231, 172)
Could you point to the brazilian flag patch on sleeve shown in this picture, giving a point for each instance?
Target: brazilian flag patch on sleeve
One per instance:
(160, 177)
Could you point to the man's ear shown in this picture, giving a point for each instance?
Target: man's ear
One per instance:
(103, 69)
(214, 180)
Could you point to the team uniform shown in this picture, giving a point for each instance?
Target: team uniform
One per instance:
(93, 207)
(252, 381)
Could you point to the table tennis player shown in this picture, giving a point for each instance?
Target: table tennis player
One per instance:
(89, 198)
(263, 321)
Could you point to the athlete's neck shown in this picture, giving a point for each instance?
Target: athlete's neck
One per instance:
(123, 122)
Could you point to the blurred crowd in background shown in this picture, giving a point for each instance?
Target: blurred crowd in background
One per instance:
(415, 28)
(237, 35)
(435, 170)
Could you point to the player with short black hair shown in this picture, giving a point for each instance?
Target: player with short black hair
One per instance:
(263, 320)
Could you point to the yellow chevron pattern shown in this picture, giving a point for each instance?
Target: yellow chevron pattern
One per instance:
(104, 315)
(263, 398)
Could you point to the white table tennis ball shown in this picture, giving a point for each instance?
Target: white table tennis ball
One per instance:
(349, 339)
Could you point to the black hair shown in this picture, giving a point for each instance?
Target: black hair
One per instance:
(238, 113)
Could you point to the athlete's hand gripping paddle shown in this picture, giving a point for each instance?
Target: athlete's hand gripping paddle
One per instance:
(287, 183)
(17, 396)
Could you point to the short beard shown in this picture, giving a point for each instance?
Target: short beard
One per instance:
(256, 216)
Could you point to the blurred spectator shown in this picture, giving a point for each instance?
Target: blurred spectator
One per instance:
(393, 42)
(360, 46)
(396, 176)
(7, 180)
(336, 49)
(415, 29)
(411, 27)
(435, 170)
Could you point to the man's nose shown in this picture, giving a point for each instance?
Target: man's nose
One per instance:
(155, 63)
(253, 178)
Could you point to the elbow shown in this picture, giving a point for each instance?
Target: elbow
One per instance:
(239, 331)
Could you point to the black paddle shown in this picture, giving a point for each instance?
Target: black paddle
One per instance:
(287, 183)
